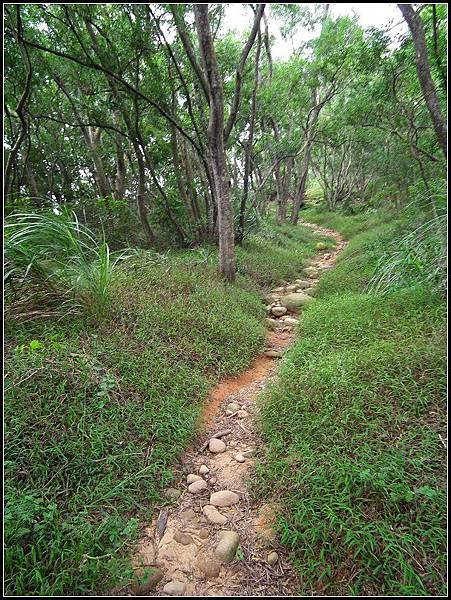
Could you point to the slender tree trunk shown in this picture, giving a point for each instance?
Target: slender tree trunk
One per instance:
(31, 184)
(178, 175)
(141, 198)
(190, 188)
(21, 108)
(92, 137)
(216, 150)
(299, 198)
(119, 182)
(415, 25)
(286, 189)
(249, 144)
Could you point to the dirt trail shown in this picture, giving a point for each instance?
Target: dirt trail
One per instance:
(182, 542)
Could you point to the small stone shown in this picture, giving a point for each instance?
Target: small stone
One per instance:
(216, 446)
(242, 414)
(203, 533)
(228, 544)
(213, 479)
(188, 515)
(291, 321)
(303, 283)
(273, 354)
(210, 568)
(232, 407)
(183, 538)
(278, 311)
(213, 515)
(294, 301)
(173, 493)
(233, 443)
(272, 558)
(203, 469)
(175, 588)
(291, 288)
(224, 498)
(312, 273)
(192, 478)
(148, 583)
(239, 457)
(197, 486)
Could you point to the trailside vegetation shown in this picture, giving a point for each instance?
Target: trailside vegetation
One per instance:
(158, 167)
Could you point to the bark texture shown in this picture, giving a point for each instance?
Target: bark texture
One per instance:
(416, 28)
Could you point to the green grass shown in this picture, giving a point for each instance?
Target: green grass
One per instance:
(349, 226)
(96, 415)
(277, 253)
(352, 427)
(53, 259)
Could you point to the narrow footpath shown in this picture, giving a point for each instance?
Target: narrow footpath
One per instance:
(214, 540)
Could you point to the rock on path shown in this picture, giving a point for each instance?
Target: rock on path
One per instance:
(228, 544)
(216, 446)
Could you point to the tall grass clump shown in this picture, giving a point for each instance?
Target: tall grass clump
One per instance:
(413, 259)
(54, 260)
(417, 256)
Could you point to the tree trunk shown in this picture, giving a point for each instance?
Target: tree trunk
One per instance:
(415, 25)
(178, 175)
(21, 108)
(119, 182)
(141, 198)
(249, 144)
(299, 199)
(216, 150)
(92, 136)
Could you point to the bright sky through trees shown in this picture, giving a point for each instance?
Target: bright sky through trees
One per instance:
(380, 15)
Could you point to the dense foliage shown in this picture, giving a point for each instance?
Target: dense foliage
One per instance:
(105, 115)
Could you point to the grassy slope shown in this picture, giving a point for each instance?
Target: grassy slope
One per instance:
(96, 416)
(352, 430)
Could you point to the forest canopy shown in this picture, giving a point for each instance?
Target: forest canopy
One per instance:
(152, 122)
